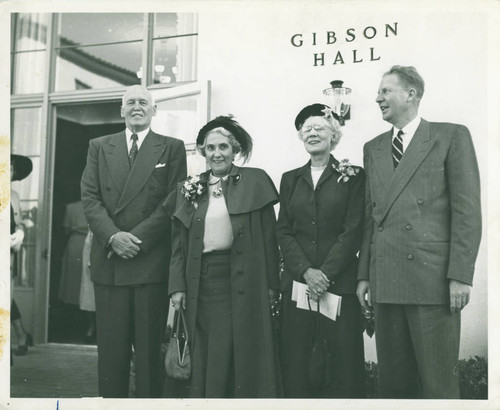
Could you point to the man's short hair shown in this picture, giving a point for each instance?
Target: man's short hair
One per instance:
(410, 78)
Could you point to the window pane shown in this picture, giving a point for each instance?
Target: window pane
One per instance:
(26, 140)
(25, 263)
(26, 131)
(30, 31)
(98, 66)
(174, 60)
(180, 118)
(97, 28)
(172, 24)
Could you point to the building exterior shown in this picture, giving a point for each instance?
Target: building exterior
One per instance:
(262, 63)
(69, 72)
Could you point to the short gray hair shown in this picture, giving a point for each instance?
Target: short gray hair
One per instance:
(336, 132)
(221, 130)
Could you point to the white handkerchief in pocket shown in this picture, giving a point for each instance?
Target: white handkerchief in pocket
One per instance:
(160, 165)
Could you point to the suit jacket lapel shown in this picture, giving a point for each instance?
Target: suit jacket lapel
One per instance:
(116, 154)
(305, 173)
(382, 157)
(151, 149)
(419, 148)
(328, 172)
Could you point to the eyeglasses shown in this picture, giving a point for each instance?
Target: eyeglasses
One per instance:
(309, 128)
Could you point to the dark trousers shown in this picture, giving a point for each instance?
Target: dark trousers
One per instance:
(417, 350)
(126, 316)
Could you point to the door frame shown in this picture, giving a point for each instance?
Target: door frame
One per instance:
(44, 234)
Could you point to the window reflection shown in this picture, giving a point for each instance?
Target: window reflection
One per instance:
(99, 28)
(175, 44)
(173, 60)
(26, 140)
(26, 131)
(102, 66)
(29, 54)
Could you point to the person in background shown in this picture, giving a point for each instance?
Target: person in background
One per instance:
(126, 178)
(20, 168)
(87, 298)
(319, 232)
(224, 268)
(75, 229)
(421, 237)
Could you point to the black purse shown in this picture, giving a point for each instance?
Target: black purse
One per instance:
(178, 357)
(320, 358)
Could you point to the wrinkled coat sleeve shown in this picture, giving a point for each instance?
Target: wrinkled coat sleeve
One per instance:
(152, 228)
(349, 241)
(177, 280)
(297, 263)
(464, 190)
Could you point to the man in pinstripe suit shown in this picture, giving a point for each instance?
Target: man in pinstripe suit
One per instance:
(421, 237)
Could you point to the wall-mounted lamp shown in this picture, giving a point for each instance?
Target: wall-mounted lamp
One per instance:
(339, 100)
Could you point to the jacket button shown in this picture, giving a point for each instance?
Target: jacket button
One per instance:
(420, 201)
(380, 228)
(241, 292)
(198, 219)
(409, 227)
(374, 204)
(410, 257)
(314, 242)
(313, 222)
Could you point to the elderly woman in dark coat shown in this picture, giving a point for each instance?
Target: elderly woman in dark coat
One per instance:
(319, 232)
(224, 267)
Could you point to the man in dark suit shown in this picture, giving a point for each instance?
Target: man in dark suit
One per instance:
(421, 237)
(127, 176)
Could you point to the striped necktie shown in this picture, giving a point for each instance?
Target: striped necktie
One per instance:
(397, 148)
(134, 149)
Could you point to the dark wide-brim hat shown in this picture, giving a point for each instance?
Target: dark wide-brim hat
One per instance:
(22, 166)
(313, 110)
(230, 124)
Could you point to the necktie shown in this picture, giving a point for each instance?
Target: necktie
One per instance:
(134, 149)
(397, 148)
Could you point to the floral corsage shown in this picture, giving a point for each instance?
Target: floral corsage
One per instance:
(346, 170)
(193, 188)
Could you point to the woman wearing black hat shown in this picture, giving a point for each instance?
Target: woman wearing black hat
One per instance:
(224, 267)
(20, 168)
(319, 232)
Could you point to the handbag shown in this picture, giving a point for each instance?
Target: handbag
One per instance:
(319, 370)
(178, 357)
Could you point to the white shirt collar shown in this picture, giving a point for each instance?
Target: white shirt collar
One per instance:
(409, 129)
(140, 137)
